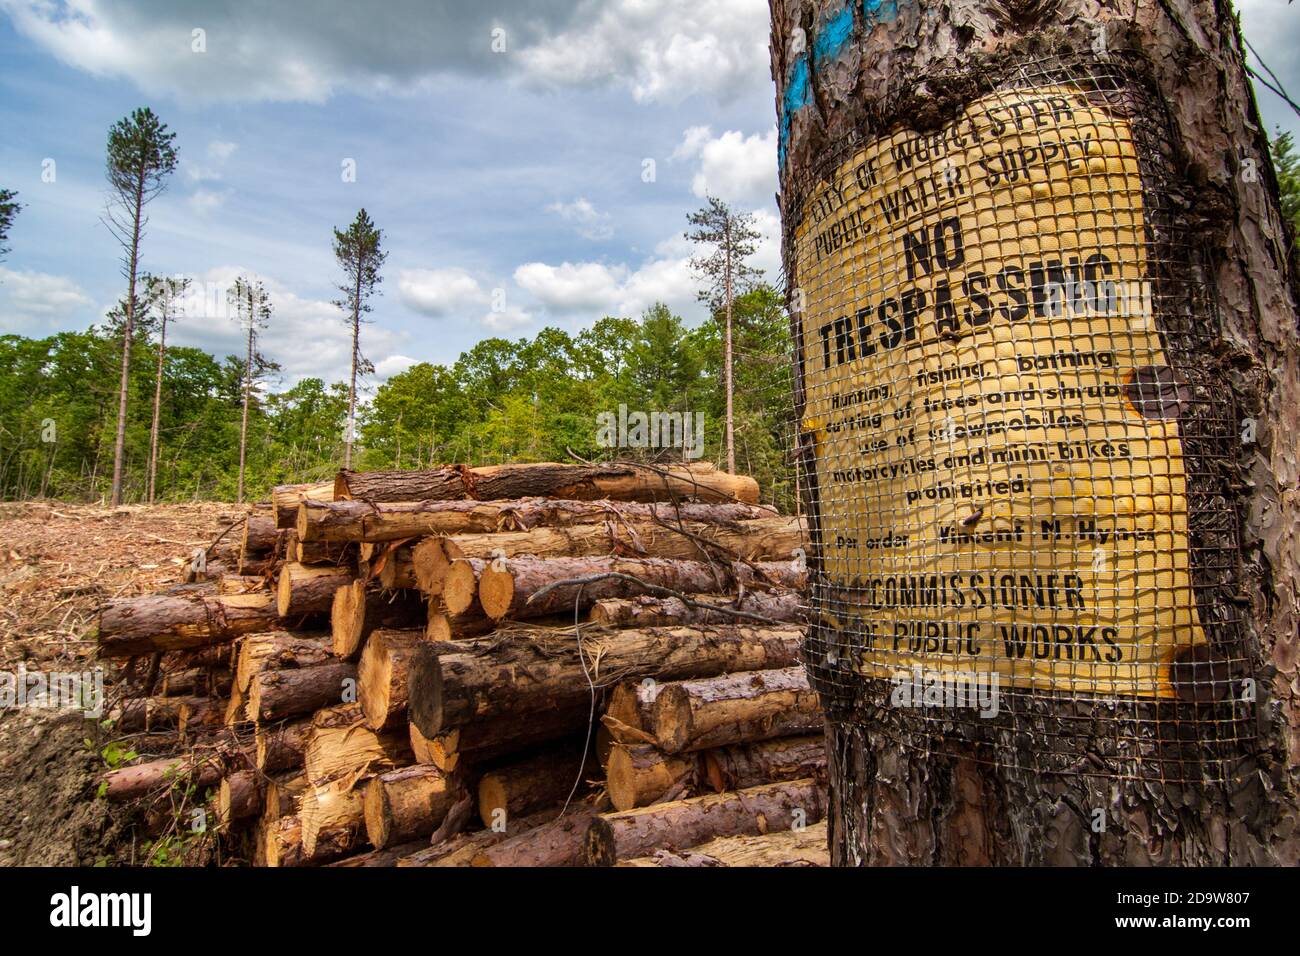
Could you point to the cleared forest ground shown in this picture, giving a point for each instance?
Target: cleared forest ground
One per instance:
(58, 562)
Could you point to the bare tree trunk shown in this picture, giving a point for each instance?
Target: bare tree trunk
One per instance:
(248, 388)
(726, 358)
(157, 407)
(935, 152)
(119, 442)
(352, 382)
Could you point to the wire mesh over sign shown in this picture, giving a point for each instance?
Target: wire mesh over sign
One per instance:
(1017, 467)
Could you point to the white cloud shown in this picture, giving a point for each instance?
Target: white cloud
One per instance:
(204, 201)
(581, 292)
(587, 220)
(393, 365)
(34, 302)
(733, 167)
(439, 293)
(507, 318)
(661, 50)
(218, 152)
(209, 324)
(572, 287)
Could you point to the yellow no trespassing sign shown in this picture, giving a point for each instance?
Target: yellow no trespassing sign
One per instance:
(999, 471)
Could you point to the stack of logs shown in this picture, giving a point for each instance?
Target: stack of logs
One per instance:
(515, 665)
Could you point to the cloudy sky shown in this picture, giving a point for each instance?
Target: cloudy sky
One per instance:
(531, 163)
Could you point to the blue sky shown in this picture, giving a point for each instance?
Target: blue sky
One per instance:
(512, 176)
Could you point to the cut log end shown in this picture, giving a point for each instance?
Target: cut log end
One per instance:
(378, 814)
(430, 562)
(496, 590)
(348, 618)
(460, 587)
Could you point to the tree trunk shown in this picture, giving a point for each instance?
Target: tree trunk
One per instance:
(429, 562)
(442, 625)
(142, 625)
(260, 537)
(278, 695)
(281, 748)
(638, 775)
(530, 672)
(201, 768)
(396, 570)
(341, 521)
(239, 798)
(128, 329)
(557, 843)
(530, 785)
(806, 847)
(621, 481)
(157, 406)
(686, 823)
(484, 741)
(340, 744)
(333, 820)
(286, 498)
(512, 589)
(460, 588)
(277, 651)
(358, 610)
(406, 804)
(308, 589)
(461, 849)
(283, 846)
(647, 611)
(1127, 289)
(381, 677)
(748, 765)
(726, 349)
(248, 391)
(282, 795)
(767, 539)
(352, 381)
(734, 708)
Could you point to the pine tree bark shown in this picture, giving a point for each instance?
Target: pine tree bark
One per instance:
(157, 405)
(321, 519)
(621, 481)
(1226, 292)
(128, 331)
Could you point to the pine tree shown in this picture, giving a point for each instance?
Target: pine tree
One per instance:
(252, 312)
(140, 158)
(733, 239)
(359, 253)
(168, 296)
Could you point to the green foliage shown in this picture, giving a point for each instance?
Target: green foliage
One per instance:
(9, 207)
(1287, 164)
(140, 156)
(533, 399)
(732, 239)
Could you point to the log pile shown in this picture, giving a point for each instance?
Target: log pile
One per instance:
(522, 665)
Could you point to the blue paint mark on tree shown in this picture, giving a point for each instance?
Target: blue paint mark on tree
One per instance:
(832, 38)
(797, 94)
(879, 11)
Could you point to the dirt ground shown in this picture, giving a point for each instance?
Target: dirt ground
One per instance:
(57, 563)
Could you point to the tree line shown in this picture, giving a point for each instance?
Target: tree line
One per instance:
(116, 413)
(530, 399)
